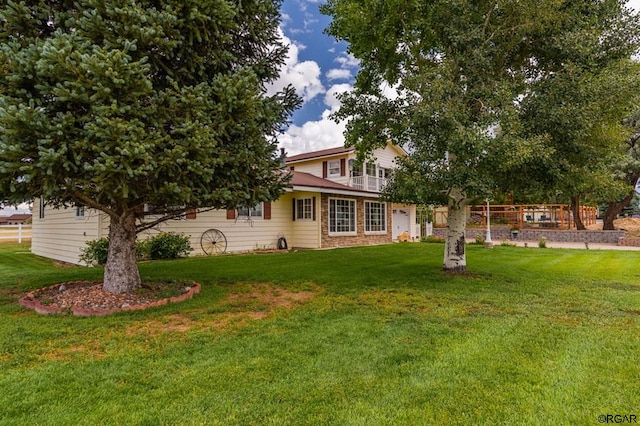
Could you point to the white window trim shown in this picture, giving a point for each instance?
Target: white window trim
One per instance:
(250, 210)
(300, 211)
(333, 172)
(355, 219)
(386, 218)
(80, 212)
(368, 166)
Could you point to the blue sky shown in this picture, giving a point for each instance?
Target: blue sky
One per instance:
(318, 68)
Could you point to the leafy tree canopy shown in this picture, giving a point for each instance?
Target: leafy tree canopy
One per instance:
(459, 72)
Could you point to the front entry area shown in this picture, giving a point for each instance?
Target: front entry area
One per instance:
(400, 222)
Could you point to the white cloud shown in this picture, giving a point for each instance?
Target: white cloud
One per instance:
(285, 19)
(338, 74)
(321, 134)
(389, 92)
(304, 76)
(313, 136)
(331, 99)
(347, 60)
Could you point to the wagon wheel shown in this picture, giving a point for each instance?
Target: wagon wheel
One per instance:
(213, 241)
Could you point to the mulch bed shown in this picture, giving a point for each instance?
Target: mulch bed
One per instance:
(86, 298)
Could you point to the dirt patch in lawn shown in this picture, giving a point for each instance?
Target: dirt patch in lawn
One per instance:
(92, 350)
(243, 303)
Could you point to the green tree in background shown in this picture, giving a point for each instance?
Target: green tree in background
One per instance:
(119, 104)
(447, 80)
(579, 108)
(626, 172)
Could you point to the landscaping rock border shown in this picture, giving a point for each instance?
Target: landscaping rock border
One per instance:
(557, 235)
(30, 301)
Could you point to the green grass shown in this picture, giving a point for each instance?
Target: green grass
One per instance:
(528, 336)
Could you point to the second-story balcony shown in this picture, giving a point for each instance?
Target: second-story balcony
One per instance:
(368, 183)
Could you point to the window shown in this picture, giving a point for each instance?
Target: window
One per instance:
(251, 212)
(79, 212)
(155, 212)
(382, 173)
(371, 169)
(334, 168)
(41, 208)
(357, 170)
(375, 217)
(304, 209)
(342, 216)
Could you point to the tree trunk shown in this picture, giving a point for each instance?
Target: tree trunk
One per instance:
(455, 259)
(613, 210)
(121, 273)
(575, 210)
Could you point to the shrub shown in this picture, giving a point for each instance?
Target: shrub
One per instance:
(143, 249)
(95, 252)
(542, 242)
(479, 239)
(169, 245)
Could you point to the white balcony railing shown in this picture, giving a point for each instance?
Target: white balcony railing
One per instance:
(368, 183)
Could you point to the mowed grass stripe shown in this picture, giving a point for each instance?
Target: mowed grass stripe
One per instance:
(527, 336)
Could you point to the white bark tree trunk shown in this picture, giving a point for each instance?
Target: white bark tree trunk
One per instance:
(121, 273)
(455, 259)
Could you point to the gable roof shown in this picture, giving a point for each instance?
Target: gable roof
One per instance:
(301, 181)
(319, 154)
(331, 152)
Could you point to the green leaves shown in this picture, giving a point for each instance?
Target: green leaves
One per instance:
(131, 103)
(467, 76)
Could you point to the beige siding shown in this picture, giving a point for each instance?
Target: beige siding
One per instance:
(241, 234)
(385, 157)
(246, 235)
(314, 167)
(60, 235)
(306, 233)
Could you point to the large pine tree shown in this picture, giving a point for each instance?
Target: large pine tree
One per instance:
(117, 104)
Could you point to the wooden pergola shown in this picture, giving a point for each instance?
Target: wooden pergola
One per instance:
(521, 216)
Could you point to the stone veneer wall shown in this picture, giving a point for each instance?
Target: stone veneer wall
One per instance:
(356, 240)
(629, 241)
(500, 233)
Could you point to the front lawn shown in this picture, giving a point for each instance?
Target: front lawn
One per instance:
(361, 336)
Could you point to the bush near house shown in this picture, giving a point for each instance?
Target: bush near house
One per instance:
(166, 245)
(169, 245)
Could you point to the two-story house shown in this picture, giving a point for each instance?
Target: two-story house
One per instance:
(331, 203)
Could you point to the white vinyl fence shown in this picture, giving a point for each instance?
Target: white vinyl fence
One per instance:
(15, 233)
